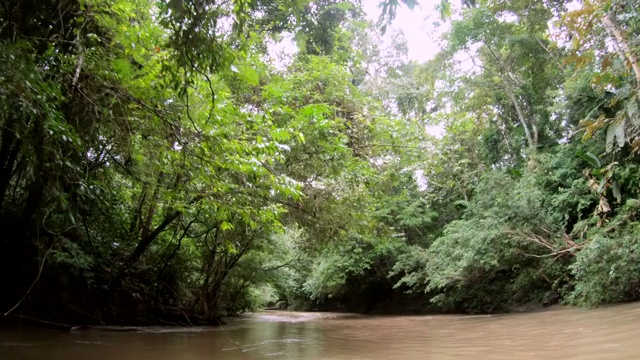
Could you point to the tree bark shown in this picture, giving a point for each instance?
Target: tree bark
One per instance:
(137, 214)
(521, 117)
(146, 241)
(508, 82)
(611, 27)
(152, 206)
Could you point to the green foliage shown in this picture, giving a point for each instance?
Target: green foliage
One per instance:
(155, 163)
(606, 269)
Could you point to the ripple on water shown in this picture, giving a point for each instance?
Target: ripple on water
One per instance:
(289, 316)
(560, 333)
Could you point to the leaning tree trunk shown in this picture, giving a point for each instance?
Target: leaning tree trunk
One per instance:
(613, 29)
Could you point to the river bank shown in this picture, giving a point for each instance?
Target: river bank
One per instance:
(396, 303)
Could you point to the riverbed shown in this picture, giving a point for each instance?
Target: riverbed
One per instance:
(559, 333)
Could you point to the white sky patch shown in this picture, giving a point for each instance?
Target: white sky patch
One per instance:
(416, 25)
(436, 131)
(422, 35)
(508, 17)
(281, 52)
(421, 180)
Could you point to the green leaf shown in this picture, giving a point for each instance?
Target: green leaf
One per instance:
(590, 158)
(344, 6)
(250, 75)
(633, 111)
(123, 68)
(615, 135)
(444, 9)
(226, 226)
(603, 182)
(616, 191)
(411, 4)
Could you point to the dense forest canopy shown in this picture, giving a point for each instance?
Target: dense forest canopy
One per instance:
(157, 163)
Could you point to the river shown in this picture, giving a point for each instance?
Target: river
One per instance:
(559, 333)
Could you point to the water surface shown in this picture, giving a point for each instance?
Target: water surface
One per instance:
(605, 333)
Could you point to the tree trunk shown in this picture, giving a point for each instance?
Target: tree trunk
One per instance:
(134, 228)
(147, 240)
(611, 27)
(521, 117)
(152, 206)
(510, 81)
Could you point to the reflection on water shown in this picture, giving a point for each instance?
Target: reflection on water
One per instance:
(605, 333)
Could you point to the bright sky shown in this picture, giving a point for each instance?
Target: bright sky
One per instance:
(416, 25)
(421, 34)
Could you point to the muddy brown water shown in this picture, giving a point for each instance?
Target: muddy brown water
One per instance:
(559, 333)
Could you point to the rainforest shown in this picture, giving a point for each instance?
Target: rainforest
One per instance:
(161, 162)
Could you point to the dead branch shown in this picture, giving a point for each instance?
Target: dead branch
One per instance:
(569, 246)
